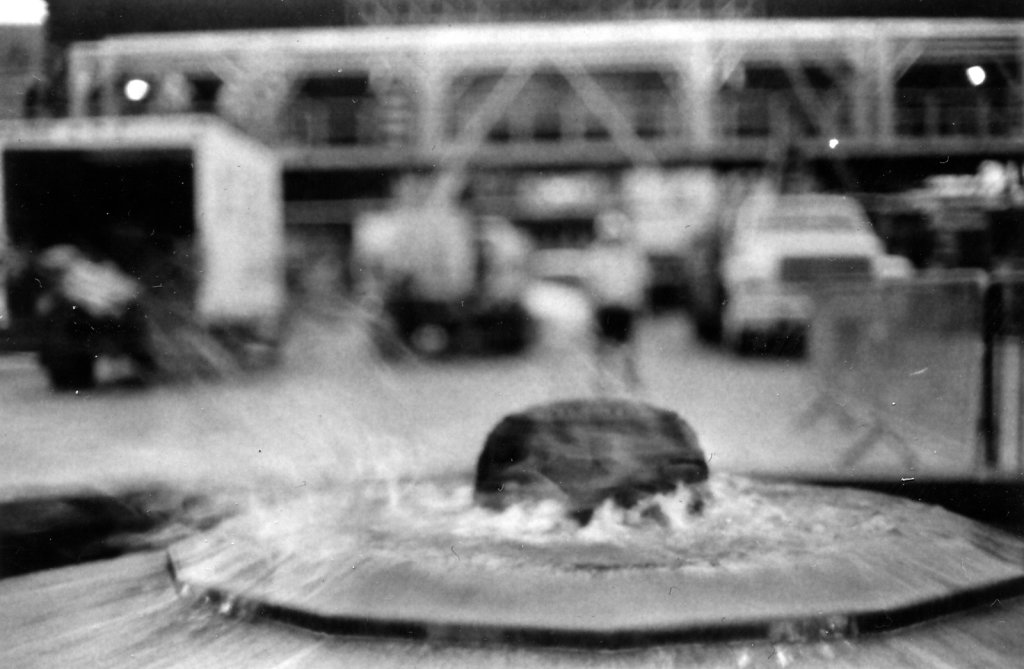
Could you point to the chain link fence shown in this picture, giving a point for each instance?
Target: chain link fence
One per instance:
(899, 369)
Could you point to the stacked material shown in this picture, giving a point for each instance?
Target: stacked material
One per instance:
(150, 319)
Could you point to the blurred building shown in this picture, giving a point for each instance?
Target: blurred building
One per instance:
(863, 95)
(21, 50)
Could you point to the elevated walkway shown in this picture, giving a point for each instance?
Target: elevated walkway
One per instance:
(529, 95)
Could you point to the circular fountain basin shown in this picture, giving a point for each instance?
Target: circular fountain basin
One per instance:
(769, 560)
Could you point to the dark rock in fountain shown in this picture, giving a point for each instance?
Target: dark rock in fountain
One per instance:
(583, 452)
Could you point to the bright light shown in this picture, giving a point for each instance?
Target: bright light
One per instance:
(976, 75)
(136, 90)
(833, 143)
(22, 12)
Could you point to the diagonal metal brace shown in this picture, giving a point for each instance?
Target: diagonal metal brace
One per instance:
(464, 145)
(597, 100)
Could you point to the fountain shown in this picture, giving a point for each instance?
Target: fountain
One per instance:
(596, 523)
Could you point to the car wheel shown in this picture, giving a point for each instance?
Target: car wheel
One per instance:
(71, 372)
(708, 319)
(430, 339)
(745, 342)
(709, 327)
(793, 344)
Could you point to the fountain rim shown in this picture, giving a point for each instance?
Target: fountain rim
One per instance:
(824, 626)
(889, 583)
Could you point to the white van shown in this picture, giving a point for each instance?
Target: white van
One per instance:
(780, 245)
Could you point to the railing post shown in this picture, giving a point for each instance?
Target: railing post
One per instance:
(988, 420)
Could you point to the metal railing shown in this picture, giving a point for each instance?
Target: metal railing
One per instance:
(778, 113)
(551, 106)
(937, 112)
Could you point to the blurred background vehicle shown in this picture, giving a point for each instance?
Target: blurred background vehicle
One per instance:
(159, 240)
(441, 281)
(779, 247)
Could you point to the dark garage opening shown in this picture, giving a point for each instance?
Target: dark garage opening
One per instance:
(133, 207)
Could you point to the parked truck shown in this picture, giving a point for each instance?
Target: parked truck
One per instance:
(156, 239)
(443, 280)
(752, 276)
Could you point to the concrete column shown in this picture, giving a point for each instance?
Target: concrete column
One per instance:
(254, 98)
(699, 81)
(1019, 119)
(862, 91)
(110, 96)
(80, 82)
(883, 79)
(433, 85)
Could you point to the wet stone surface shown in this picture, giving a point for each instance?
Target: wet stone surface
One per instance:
(581, 453)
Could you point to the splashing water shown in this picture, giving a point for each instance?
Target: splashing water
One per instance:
(438, 521)
(366, 469)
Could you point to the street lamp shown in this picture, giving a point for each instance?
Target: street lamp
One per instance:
(136, 90)
(976, 75)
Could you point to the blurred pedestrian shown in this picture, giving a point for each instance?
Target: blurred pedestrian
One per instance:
(617, 279)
